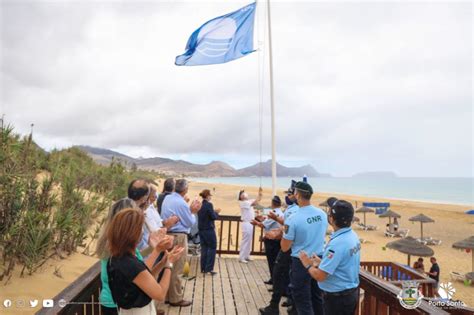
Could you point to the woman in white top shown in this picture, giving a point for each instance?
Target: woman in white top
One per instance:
(153, 219)
(247, 215)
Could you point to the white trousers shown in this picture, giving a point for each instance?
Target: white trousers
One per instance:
(246, 245)
(148, 309)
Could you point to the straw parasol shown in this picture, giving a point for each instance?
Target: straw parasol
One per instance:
(390, 214)
(422, 219)
(364, 210)
(410, 246)
(324, 204)
(468, 245)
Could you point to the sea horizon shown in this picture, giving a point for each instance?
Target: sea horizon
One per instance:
(440, 190)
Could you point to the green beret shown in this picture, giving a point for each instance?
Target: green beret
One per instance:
(302, 186)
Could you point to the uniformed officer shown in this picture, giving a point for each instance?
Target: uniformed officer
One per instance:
(272, 246)
(281, 269)
(305, 230)
(337, 272)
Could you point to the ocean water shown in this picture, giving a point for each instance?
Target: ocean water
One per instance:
(438, 190)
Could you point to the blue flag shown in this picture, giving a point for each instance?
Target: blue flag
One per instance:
(220, 40)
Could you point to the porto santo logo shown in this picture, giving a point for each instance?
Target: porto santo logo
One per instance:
(446, 291)
(218, 35)
(410, 296)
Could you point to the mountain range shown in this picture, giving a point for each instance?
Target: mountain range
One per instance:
(172, 167)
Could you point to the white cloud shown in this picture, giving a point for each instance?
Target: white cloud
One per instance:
(359, 86)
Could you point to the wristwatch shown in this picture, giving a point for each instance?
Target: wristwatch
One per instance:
(169, 266)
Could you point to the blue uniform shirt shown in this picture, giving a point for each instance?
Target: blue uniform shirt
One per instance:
(270, 224)
(307, 229)
(341, 261)
(175, 204)
(290, 210)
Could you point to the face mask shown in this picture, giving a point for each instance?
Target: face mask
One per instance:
(288, 201)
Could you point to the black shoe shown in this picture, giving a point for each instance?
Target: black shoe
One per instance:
(212, 273)
(287, 303)
(270, 289)
(292, 310)
(269, 310)
(268, 282)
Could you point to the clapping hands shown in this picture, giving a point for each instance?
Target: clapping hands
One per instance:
(306, 260)
(175, 254)
(195, 206)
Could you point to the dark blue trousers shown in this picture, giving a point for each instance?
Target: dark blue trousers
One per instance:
(272, 248)
(208, 249)
(307, 295)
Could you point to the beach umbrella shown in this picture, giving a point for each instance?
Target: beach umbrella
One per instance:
(410, 246)
(390, 214)
(364, 210)
(422, 219)
(468, 245)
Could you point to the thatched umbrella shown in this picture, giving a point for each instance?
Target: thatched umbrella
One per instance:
(411, 246)
(468, 245)
(422, 219)
(390, 214)
(364, 210)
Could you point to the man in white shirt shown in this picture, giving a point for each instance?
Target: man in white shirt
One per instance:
(247, 215)
(153, 220)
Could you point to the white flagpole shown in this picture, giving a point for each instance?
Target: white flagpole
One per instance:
(274, 170)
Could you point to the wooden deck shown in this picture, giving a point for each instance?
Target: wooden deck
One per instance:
(236, 288)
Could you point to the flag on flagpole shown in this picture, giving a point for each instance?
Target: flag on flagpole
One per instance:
(221, 39)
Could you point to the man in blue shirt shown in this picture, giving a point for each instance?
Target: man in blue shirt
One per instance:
(305, 230)
(337, 272)
(175, 204)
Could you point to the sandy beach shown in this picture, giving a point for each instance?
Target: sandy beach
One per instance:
(451, 225)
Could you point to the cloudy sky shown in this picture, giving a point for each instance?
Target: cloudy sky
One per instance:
(359, 86)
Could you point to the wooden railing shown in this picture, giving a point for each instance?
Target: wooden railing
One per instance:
(228, 230)
(396, 273)
(379, 281)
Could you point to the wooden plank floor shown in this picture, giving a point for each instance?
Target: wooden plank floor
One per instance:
(236, 288)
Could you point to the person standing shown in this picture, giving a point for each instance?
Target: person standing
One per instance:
(272, 245)
(175, 204)
(168, 188)
(305, 231)
(207, 232)
(281, 269)
(337, 272)
(434, 271)
(247, 215)
(132, 282)
(153, 219)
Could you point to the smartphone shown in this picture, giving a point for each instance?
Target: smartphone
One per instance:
(267, 211)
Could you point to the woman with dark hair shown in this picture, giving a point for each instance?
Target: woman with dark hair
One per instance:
(207, 232)
(132, 282)
(168, 188)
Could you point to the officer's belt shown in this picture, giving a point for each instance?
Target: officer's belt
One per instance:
(340, 293)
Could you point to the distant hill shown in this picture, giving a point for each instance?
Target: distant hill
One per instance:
(179, 167)
(383, 174)
(265, 169)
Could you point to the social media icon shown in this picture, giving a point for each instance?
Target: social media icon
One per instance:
(20, 303)
(7, 303)
(62, 303)
(48, 303)
(33, 303)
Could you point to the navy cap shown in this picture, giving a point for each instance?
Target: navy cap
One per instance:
(305, 187)
(342, 211)
(291, 190)
(276, 200)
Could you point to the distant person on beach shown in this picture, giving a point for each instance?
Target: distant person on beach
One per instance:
(272, 245)
(168, 188)
(337, 272)
(434, 271)
(133, 283)
(108, 305)
(207, 232)
(419, 266)
(153, 219)
(176, 204)
(247, 215)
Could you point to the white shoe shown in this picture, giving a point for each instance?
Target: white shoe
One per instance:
(243, 261)
(249, 259)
